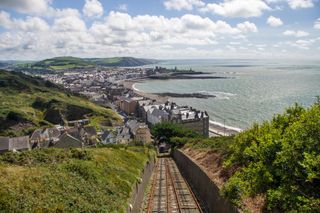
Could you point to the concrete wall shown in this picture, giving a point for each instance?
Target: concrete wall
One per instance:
(207, 191)
(140, 187)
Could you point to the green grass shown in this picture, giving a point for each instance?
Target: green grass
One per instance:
(78, 180)
(30, 99)
(68, 62)
(218, 144)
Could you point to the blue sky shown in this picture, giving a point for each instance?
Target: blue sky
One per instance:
(163, 29)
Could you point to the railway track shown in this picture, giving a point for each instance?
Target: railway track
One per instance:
(170, 193)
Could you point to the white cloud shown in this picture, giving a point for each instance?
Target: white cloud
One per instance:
(69, 23)
(143, 30)
(298, 33)
(237, 8)
(296, 4)
(247, 27)
(92, 8)
(52, 12)
(183, 4)
(123, 7)
(5, 20)
(274, 22)
(317, 24)
(303, 44)
(28, 24)
(26, 6)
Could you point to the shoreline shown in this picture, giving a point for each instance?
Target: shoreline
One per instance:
(222, 130)
(215, 128)
(129, 84)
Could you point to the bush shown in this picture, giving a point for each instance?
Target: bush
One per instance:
(168, 131)
(281, 159)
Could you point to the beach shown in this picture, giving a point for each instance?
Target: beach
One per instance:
(221, 130)
(129, 84)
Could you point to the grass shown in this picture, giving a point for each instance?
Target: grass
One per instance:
(78, 180)
(67, 62)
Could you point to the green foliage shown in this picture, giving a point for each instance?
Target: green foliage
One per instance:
(218, 144)
(74, 180)
(68, 63)
(281, 159)
(172, 132)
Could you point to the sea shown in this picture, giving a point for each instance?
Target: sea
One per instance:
(254, 90)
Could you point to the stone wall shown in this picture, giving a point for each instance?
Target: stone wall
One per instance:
(203, 186)
(140, 187)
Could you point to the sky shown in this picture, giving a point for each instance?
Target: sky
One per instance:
(160, 29)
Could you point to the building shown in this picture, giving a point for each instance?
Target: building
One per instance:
(114, 91)
(43, 138)
(108, 137)
(157, 114)
(129, 105)
(192, 119)
(142, 113)
(14, 144)
(188, 117)
(123, 135)
(68, 141)
(139, 131)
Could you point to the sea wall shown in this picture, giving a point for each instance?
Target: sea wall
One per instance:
(203, 186)
(140, 187)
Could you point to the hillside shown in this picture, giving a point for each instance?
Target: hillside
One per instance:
(271, 167)
(121, 61)
(68, 62)
(77, 180)
(27, 103)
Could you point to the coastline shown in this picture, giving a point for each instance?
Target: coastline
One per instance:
(129, 84)
(219, 129)
(215, 128)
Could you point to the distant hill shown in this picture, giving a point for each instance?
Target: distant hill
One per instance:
(27, 103)
(121, 61)
(68, 63)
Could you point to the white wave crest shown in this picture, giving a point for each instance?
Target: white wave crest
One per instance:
(218, 94)
(226, 126)
(135, 88)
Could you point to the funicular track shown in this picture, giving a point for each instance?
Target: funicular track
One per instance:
(169, 190)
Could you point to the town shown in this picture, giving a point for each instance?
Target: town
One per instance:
(107, 87)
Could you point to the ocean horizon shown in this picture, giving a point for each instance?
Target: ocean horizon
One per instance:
(253, 91)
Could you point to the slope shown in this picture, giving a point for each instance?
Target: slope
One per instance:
(28, 102)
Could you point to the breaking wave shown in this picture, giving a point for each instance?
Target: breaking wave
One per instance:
(219, 95)
(227, 127)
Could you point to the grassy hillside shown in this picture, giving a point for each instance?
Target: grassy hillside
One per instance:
(56, 64)
(68, 62)
(27, 103)
(78, 180)
(121, 61)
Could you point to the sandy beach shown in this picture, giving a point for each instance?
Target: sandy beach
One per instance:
(129, 84)
(218, 130)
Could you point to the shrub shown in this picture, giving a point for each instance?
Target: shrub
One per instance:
(281, 159)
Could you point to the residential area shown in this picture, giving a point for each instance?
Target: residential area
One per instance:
(106, 88)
